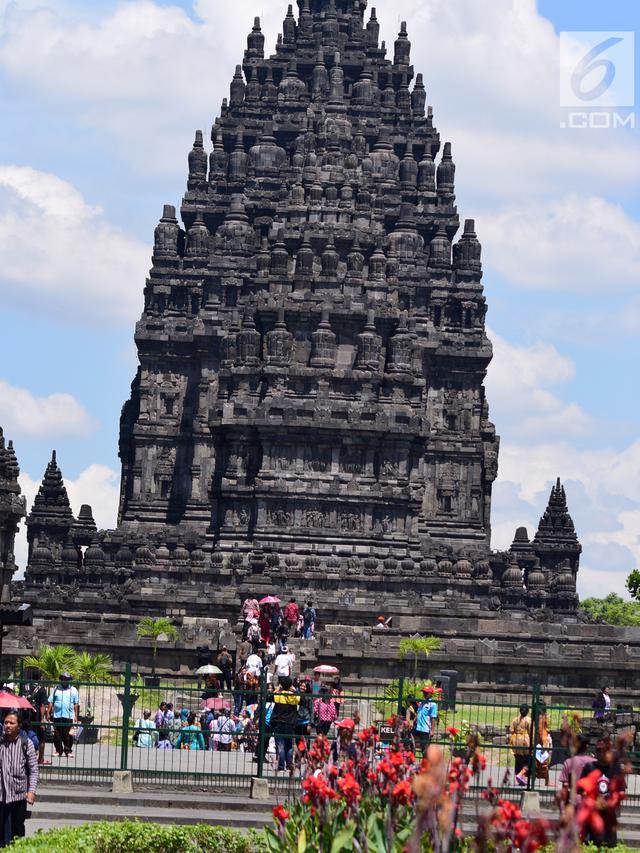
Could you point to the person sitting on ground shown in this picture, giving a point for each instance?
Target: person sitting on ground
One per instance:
(164, 741)
(145, 732)
(191, 736)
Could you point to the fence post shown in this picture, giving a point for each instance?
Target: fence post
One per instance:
(533, 738)
(261, 716)
(126, 710)
(400, 695)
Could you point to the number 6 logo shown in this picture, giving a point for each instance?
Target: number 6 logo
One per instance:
(590, 63)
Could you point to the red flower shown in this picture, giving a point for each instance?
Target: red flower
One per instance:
(402, 794)
(280, 813)
(302, 747)
(453, 731)
(317, 790)
(349, 788)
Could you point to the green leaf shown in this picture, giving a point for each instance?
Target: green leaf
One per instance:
(343, 840)
(302, 841)
(375, 833)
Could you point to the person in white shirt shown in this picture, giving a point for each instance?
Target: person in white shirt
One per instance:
(255, 664)
(284, 663)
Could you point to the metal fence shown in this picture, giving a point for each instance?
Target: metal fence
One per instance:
(111, 734)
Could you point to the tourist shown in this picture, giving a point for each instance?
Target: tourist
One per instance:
(164, 740)
(520, 737)
(291, 613)
(18, 778)
(40, 701)
(255, 664)
(284, 663)
(309, 618)
(244, 650)
(276, 620)
(145, 731)
(63, 711)
(305, 709)
(222, 728)
(382, 623)
(250, 611)
(574, 766)
(343, 747)
(225, 664)
(159, 720)
(337, 692)
(316, 684)
(425, 718)
(169, 716)
(253, 633)
(271, 650)
(284, 719)
(264, 624)
(191, 736)
(324, 710)
(544, 747)
(601, 703)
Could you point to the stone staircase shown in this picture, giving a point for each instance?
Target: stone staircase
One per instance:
(73, 805)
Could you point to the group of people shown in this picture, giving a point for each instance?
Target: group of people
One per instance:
(269, 622)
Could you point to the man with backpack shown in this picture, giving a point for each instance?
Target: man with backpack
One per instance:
(64, 709)
(18, 778)
(309, 617)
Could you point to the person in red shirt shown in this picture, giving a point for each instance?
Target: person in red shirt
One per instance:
(291, 614)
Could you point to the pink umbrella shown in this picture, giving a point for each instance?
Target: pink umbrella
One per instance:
(216, 703)
(10, 700)
(269, 599)
(325, 669)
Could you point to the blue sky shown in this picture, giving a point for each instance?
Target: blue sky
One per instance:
(99, 103)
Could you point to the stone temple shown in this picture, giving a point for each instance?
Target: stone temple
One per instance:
(309, 415)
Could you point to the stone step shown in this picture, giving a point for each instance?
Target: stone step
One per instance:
(157, 797)
(84, 813)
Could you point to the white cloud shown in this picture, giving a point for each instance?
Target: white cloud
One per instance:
(23, 413)
(518, 383)
(148, 74)
(603, 494)
(61, 255)
(573, 243)
(97, 485)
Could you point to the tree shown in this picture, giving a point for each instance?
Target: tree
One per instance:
(414, 646)
(613, 610)
(93, 669)
(633, 584)
(154, 629)
(52, 661)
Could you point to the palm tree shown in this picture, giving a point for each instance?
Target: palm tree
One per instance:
(52, 661)
(155, 628)
(92, 669)
(415, 645)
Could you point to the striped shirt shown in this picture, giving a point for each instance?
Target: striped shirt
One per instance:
(17, 775)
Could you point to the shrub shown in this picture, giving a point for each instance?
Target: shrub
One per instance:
(135, 837)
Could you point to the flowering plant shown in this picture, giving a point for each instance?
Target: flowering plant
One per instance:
(363, 797)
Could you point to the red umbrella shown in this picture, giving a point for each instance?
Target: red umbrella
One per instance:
(269, 599)
(325, 669)
(217, 703)
(10, 700)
